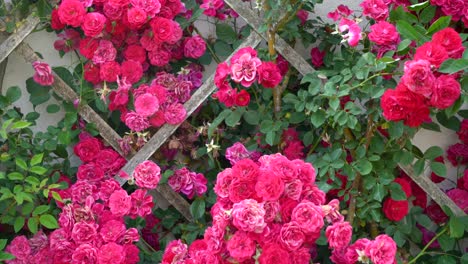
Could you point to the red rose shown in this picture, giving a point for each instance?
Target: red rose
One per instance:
(84, 232)
(242, 98)
(109, 71)
(274, 254)
(163, 29)
(55, 22)
(135, 52)
(90, 172)
(269, 75)
(131, 71)
(462, 183)
(110, 161)
(446, 91)
(71, 12)
(112, 12)
(87, 149)
(432, 52)
(463, 132)
(317, 56)
(451, 41)
(384, 33)
(92, 73)
(241, 246)
(93, 24)
(454, 8)
(88, 46)
(291, 236)
(269, 186)
(395, 210)
(194, 47)
(418, 77)
(136, 17)
(457, 154)
(111, 253)
(118, 99)
(159, 57)
(436, 214)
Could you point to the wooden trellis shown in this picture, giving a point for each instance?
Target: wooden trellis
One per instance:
(163, 134)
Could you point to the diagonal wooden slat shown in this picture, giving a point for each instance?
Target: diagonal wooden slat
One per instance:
(296, 60)
(17, 38)
(190, 106)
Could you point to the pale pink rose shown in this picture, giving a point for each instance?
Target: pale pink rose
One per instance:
(112, 230)
(146, 104)
(382, 250)
(446, 91)
(339, 234)
(244, 67)
(84, 232)
(175, 114)
(248, 215)
(291, 236)
(147, 175)
(111, 253)
(130, 236)
(43, 73)
(120, 203)
(236, 153)
(351, 32)
(418, 77)
(93, 24)
(85, 254)
(136, 122)
(308, 216)
(194, 47)
(105, 52)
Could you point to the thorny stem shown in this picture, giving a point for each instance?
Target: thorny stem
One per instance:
(423, 251)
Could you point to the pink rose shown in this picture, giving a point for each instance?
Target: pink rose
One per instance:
(19, 247)
(147, 175)
(244, 67)
(93, 24)
(236, 152)
(146, 104)
(131, 71)
(43, 73)
(384, 33)
(85, 254)
(222, 72)
(274, 254)
(136, 122)
(111, 253)
(136, 17)
(375, 9)
(446, 91)
(142, 204)
(432, 52)
(223, 181)
(269, 75)
(352, 31)
(175, 251)
(248, 215)
(151, 7)
(194, 47)
(339, 234)
(418, 77)
(107, 188)
(308, 216)
(175, 114)
(131, 253)
(84, 232)
(110, 161)
(382, 250)
(71, 12)
(105, 52)
(112, 230)
(291, 236)
(241, 246)
(357, 249)
(269, 186)
(460, 198)
(90, 172)
(120, 203)
(81, 190)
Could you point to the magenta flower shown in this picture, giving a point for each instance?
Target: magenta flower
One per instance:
(43, 73)
(352, 31)
(244, 67)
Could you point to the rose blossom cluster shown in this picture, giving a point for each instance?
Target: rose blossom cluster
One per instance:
(348, 28)
(271, 211)
(421, 86)
(188, 182)
(91, 225)
(122, 38)
(217, 9)
(245, 68)
(457, 9)
(158, 103)
(293, 148)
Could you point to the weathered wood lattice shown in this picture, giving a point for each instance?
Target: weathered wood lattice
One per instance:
(15, 43)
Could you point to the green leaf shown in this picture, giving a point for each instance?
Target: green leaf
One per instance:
(48, 221)
(3, 243)
(464, 259)
(38, 170)
(252, 117)
(452, 123)
(433, 152)
(396, 129)
(20, 124)
(439, 24)
(424, 220)
(197, 208)
(13, 94)
(439, 168)
(33, 225)
(396, 192)
(234, 118)
(36, 159)
(226, 33)
(222, 48)
(317, 118)
(445, 259)
(53, 108)
(451, 66)
(32, 180)
(446, 243)
(427, 14)
(363, 166)
(19, 223)
(419, 167)
(38, 94)
(15, 176)
(6, 256)
(456, 227)
(378, 192)
(404, 44)
(21, 163)
(217, 121)
(297, 117)
(409, 32)
(40, 210)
